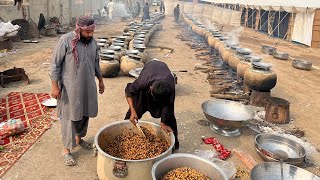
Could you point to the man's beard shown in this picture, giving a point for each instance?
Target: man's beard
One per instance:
(85, 40)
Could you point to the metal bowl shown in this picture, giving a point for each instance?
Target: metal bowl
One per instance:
(281, 55)
(302, 64)
(178, 160)
(267, 145)
(272, 171)
(227, 114)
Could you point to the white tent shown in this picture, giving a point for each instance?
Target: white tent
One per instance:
(304, 11)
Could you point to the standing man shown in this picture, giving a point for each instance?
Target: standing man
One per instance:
(153, 91)
(176, 13)
(75, 64)
(146, 13)
(110, 7)
(138, 9)
(104, 12)
(162, 8)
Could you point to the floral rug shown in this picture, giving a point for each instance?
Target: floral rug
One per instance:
(36, 119)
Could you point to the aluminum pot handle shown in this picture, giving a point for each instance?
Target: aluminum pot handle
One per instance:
(120, 169)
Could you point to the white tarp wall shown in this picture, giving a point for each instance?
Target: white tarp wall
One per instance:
(304, 10)
(206, 11)
(303, 26)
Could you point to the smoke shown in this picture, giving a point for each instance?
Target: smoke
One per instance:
(120, 10)
(208, 23)
(234, 35)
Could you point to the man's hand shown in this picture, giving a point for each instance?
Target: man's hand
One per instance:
(134, 117)
(166, 128)
(101, 87)
(55, 92)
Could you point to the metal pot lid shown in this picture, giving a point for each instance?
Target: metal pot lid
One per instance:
(139, 39)
(244, 51)
(102, 40)
(140, 32)
(255, 59)
(137, 42)
(223, 38)
(140, 35)
(132, 52)
(108, 51)
(135, 57)
(131, 23)
(116, 48)
(118, 41)
(101, 44)
(121, 38)
(107, 56)
(262, 66)
(119, 44)
(217, 35)
(126, 34)
(139, 46)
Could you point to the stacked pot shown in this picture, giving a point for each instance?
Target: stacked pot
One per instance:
(257, 75)
(126, 52)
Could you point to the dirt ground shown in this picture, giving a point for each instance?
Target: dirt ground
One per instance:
(44, 159)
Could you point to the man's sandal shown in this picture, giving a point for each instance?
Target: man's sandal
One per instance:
(85, 145)
(69, 160)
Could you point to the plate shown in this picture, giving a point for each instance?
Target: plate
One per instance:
(52, 102)
(135, 72)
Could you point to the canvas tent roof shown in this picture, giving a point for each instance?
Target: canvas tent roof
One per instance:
(287, 5)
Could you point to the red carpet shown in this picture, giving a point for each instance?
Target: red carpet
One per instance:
(28, 108)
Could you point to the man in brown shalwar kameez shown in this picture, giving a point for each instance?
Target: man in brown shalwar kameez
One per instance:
(154, 91)
(75, 64)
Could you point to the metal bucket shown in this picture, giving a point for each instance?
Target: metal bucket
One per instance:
(179, 160)
(109, 167)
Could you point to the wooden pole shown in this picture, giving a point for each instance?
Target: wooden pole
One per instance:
(278, 21)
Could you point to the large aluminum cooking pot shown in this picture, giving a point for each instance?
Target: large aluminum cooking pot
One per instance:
(179, 160)
(113, 168)
(227, 114)
(272, 171)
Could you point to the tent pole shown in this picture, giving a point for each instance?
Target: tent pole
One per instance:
(279, 24)
(291, 28)
(260, 19)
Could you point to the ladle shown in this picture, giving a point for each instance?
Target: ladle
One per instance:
(282, 156)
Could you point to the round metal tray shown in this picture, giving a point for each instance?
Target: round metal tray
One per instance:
(268, 144)
(272, 171)
(268, 50)
(302, 64)
(281, 55)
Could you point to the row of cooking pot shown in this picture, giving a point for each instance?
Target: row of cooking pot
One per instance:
(256, 75)
(126, 52)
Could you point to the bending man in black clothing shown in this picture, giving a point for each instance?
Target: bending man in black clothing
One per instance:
(153, 91)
